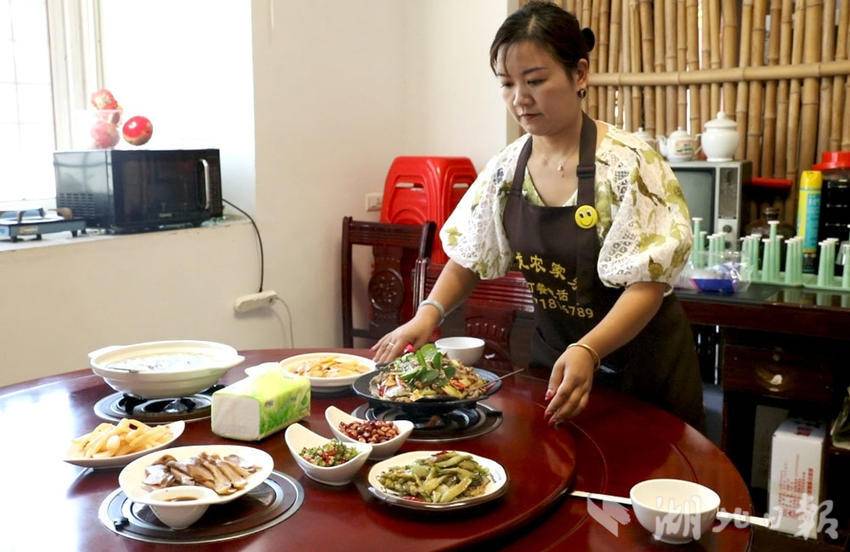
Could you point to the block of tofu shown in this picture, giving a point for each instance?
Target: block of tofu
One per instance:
(260, 405)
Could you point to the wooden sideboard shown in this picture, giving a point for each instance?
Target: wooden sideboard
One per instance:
(770, 345)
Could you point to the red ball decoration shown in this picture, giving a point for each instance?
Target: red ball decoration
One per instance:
(137, 130)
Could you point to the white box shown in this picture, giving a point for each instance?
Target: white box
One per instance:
(796, 474)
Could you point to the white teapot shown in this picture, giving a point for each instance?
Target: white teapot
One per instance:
(646, 137)
(680, 146)
(720, 138)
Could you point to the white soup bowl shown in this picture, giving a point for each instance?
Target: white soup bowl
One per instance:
(466, 350)
(673, 510)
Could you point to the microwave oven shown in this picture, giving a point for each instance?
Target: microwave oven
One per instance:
(713, 193)
(139, 190)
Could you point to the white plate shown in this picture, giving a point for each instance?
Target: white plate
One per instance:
(496, 488)
(334, 416)
(120, 461)
(328, 384)
(131, 477)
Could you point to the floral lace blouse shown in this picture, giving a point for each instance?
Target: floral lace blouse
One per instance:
(644, 225)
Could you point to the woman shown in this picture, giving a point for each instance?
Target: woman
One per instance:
(590, 214)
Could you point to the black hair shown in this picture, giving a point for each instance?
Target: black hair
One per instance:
(549, 26)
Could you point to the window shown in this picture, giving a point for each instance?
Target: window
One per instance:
(49, 59)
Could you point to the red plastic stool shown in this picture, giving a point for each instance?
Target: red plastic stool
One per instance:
(422, 188)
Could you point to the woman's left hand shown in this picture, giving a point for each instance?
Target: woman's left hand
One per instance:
(569, 385)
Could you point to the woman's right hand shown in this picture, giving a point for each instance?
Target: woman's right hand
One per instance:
(415, 332)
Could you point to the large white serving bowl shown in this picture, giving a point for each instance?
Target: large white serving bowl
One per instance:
(291, 365)
(297, 437)
(131, 477)
(216, 358)
(673, 510)
(334, 416)
(466, 350)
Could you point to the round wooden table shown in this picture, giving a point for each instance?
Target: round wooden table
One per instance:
(615, 443)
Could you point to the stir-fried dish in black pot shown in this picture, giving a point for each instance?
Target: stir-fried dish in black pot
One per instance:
(427, 374)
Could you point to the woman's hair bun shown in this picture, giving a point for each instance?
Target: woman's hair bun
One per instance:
(589, 38)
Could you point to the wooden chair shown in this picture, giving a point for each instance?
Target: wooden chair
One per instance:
(488, 313)
(396, 248)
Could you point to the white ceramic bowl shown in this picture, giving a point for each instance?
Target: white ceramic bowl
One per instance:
(466, 350)
(180, 514)
(297, 437)
(216, 359)
(673, 510)
(334, 416)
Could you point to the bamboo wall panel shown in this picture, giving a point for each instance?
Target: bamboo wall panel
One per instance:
(780, 68)
(769, 136)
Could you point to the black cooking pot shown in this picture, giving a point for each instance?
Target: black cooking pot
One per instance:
(426, 406)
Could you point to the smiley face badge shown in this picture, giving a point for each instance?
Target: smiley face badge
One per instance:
(586, 217)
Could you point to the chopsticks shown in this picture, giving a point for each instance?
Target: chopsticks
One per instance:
(722, 515)
(500, 378)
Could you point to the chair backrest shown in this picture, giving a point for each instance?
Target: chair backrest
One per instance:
(396, 248)
(490, 310)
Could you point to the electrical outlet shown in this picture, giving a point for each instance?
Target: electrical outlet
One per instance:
(374, 201)
(253, 301)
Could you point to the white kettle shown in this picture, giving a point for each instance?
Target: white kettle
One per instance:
(680, 146)
(720, 138)
(646, 137)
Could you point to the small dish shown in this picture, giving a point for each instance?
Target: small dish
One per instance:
(131, 477)
(334, 416)
(466, 350)
(176, 429)
(180, 506)
(328, 384)
(673, 510)
(297, 437)
(496, 488)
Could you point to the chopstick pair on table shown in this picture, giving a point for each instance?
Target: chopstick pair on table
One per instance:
(721, 515)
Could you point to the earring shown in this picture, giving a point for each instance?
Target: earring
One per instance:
(582, 92)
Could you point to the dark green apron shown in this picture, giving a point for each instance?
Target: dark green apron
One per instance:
(558, 259)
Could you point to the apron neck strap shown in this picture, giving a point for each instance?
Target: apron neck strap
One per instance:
(586, 170)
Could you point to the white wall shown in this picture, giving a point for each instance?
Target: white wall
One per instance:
(186, 65)
(339, 89)
(343, 88)
(452, 102)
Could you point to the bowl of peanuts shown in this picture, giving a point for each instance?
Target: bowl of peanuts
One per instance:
(385, 437)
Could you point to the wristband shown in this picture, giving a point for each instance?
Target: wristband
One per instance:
(436, 304)
(589, 349)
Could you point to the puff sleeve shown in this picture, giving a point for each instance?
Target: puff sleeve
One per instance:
(474, 234)
(650, 235)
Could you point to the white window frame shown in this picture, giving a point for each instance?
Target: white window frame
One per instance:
(76, 62)
(76, 70)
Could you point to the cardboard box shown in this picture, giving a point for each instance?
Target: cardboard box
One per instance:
(768, 418)
(796, 476)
